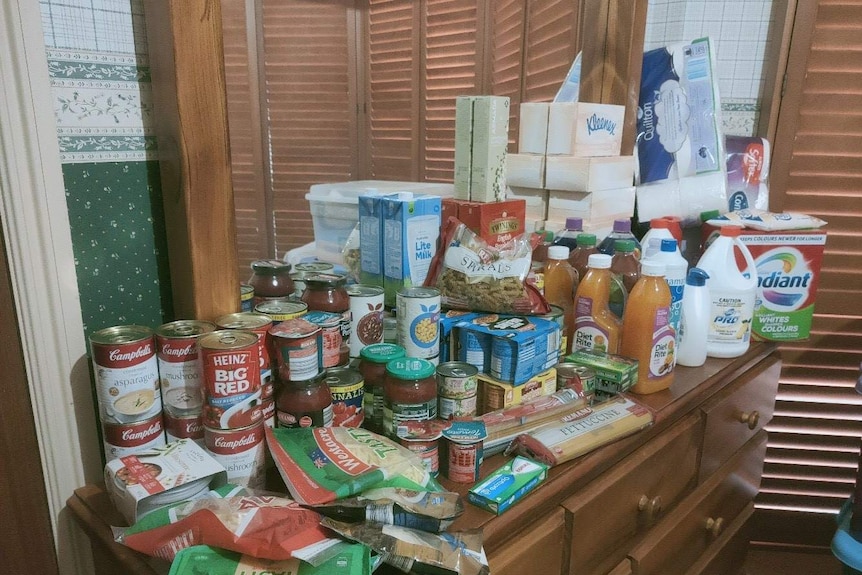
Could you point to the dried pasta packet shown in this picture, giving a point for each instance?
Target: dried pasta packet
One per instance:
(423, 510)
(412, 551)
(471, 275)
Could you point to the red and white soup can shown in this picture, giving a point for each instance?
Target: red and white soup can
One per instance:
(180, 366)
(122, 439)
(231, 361)
(241, 452)
(184, 427)
(255, 322)
(127, 374)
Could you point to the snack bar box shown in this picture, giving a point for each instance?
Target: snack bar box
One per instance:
(788, 273)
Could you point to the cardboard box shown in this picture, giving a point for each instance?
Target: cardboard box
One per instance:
(588, 174)
(614, 373)
(495, 394)
(525, 170)
(508, 484)
(584, 129)
(594, 208)
(489, 144)
(788, 273)
(496, 222)
(536, 204)
(138, 484)
(533, 128)
(463, 146)
(411, 230)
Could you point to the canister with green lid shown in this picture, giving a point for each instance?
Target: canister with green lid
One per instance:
(372, 364)
(409, 394)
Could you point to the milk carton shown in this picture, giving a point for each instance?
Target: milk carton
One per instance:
(788, 272)
(411, 230)
(371, 239)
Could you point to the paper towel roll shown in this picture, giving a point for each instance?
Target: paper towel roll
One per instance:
(698, 194)
(658, 199)
(533, 128)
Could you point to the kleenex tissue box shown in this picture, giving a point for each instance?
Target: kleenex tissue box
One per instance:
(584, 129)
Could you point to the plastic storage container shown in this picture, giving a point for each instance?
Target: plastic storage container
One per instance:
(335, 212)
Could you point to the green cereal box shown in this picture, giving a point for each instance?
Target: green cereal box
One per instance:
(508, 484)
(614, 373)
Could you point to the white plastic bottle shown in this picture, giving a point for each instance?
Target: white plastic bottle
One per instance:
(659, 229)
(732, 294)
(694, 321)
(676, 267)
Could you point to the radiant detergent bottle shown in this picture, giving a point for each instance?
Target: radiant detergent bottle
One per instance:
(694, 320)
(596, 327)
(647, 334)
(732, 294)
(561, 281)
(676, 268)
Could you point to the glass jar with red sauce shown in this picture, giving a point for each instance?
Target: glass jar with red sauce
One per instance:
(372, 365)
(305, 403)
(270, 280)
(409, 392)
(328, 292)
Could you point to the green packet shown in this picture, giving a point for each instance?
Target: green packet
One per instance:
(349, 559)
(508, 484)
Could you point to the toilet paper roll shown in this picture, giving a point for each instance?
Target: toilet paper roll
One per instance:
(698, 194)
(533, 128)
(658, 199)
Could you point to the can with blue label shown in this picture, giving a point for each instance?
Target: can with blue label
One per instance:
(417, 310)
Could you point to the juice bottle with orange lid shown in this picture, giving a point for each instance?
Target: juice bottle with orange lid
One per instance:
(561, 281)
(579, 256)
(647, 334)
(596, 327)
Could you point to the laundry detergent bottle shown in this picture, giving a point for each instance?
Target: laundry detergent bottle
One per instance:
(731, 292)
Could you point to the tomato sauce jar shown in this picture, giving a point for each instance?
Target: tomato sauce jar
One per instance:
(409, 393)
(305, 403)
(328, 292)
(348, 389)
(372, 365)
(270, 279)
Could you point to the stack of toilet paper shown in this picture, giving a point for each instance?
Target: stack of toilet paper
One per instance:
(569, 165)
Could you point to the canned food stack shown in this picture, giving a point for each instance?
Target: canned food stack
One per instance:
(181, 377)
(127, 389)
(233, 411)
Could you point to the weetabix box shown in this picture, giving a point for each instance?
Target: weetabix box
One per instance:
(411, 230)
(788, 273)
(490, 142)
(496, 222)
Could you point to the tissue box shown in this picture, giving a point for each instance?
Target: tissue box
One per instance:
(788, 273)
(508, 484)
(533, 128)
(585, 129)
(463, 146)
(536, 204)
(138, 484)
(595, 208)
(588, 174)
(525, 170)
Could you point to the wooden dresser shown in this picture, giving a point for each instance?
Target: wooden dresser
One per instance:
(672, 499)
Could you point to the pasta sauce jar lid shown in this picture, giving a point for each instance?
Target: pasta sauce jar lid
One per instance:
(382, 352)
(410, 368)
(270, 267)
(325, 281)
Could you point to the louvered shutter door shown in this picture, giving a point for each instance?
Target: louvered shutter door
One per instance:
(507, 43)
(815, 434)
(550, 47)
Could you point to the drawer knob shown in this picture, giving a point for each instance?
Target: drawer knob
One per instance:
(714, 526)
(750, 419)
(650, 507)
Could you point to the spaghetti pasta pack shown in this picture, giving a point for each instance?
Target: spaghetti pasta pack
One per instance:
(320, 465)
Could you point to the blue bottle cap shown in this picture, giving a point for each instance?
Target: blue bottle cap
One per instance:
(696, 276)
(668, 245)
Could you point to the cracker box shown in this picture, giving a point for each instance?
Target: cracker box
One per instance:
(788, 272)
(508, 484)
(614, 373)
(411, 230)
(496, 222)
(495, 394)
(138, 484)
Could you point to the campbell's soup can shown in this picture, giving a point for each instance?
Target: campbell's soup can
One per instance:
(418, 319)
(231, 379)
(267, 406)
(240, 452)
(347, 388)
(296, 344)
(183, 427)
(180, 366)
(366, 316)
(122, 439)
(127, 373)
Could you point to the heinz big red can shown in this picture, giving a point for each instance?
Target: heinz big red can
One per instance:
(127, 374)
(231, 363)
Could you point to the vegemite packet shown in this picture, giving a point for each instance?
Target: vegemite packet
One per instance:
(423, 510)
(348, 559)
(419, 552)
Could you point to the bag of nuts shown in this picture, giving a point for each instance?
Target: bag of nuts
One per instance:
(471, 275)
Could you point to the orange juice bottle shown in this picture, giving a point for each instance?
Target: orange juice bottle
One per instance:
(561, 280)
(647, 334)
(596, 327)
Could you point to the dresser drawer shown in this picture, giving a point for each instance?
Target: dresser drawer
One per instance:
(685, 534)
(727, 554)
(738, 413)
(539, 549)
(624, 568)
(610, 512)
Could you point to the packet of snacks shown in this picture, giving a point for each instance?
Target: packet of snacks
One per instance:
(266, 526)
(348, 559)
(471, 275)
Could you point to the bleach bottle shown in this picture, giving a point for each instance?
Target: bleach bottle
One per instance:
(732, 294)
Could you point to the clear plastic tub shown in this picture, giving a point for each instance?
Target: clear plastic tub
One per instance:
(335, 212)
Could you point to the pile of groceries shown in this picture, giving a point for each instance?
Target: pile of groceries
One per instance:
(448, 333)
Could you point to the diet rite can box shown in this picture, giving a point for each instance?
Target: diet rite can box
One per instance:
(788, 272)
(127, 374)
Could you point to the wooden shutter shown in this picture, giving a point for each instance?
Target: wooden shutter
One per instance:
(292, 105)
(814, 438)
